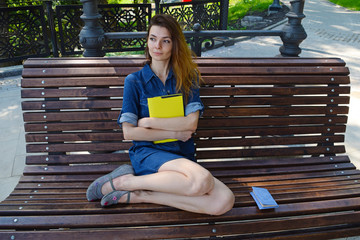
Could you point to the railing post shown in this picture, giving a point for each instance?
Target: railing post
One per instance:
(157, 6)
(50, 16)
(196, 46)
(91, 35)
(275, 6)
(224, 12)
(293, 32)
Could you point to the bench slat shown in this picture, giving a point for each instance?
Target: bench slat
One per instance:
(204, 123)
(106, 81)
(205, 91)
(89, 92)
(123, 156)
(275, 111)
(268, 141)
(222, 70)
(214, 91)
(179, 217)
(228, 101)
(269, 120)
(263, 131)
(258, 152)
(78, 147)
(193, 231)
(70, 126)
(274, 70)
(264, 100)
(305, 185)
(76, 202)
(118, 136)
(274, 79)
(266, 152)
(42, 82)
(49, 189)
(201, 133)
(77, 104)
(71, 116)
(88, 169)
(86, 136)
(49, 194)
(86, 71)
(208, 112)
(77, 158)
(213, 61)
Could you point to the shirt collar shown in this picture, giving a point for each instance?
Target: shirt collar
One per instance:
(148, 74)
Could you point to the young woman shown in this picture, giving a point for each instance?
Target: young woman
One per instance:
(165, 173)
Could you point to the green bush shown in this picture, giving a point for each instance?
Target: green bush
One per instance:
(239, 8)
(350, 4)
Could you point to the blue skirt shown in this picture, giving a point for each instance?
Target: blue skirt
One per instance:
(148, 160)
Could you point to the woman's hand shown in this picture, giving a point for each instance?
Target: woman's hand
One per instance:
(188, 123)
(183, 135)
(180, 135)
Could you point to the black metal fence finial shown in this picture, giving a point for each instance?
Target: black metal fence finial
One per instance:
(92, 34)
(293, 32)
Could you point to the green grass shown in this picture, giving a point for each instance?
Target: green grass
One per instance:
(120, 1)
(240, 8)
(350, 4)
(112, 54)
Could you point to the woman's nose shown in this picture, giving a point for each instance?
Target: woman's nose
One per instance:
(158, 44)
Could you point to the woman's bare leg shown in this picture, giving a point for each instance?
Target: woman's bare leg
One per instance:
(180, 176)
(218, 201)
(179, 183)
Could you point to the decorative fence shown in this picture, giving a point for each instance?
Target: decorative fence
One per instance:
(23, 32)
(211, 14)
(40, 31)
(291, 35)
(114, 18)
(92, 30)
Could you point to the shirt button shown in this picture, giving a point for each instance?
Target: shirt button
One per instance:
(168, 92)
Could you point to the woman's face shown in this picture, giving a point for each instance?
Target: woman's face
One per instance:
(159, 43)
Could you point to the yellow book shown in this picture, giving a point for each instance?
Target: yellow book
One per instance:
(167, 106)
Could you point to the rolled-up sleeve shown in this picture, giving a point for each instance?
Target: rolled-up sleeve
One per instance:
(128, 117)
(194, 107)
(130, 108)
(194, 103)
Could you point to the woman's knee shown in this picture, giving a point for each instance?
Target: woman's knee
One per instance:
(199, 180)
(202, 182)
(223, 203)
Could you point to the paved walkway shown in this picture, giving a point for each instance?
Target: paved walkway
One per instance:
(332, 32)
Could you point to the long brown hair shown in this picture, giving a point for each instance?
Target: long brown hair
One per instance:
(185, 69)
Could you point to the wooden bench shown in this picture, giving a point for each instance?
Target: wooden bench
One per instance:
(277, 123)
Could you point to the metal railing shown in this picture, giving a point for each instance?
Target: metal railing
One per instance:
(199, 39)
(23, 30)
(291, 35)
(45, 30)
(94, 29)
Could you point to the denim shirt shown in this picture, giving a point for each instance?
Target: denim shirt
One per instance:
(144, 84)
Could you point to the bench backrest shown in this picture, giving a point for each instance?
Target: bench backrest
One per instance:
(255, 108)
